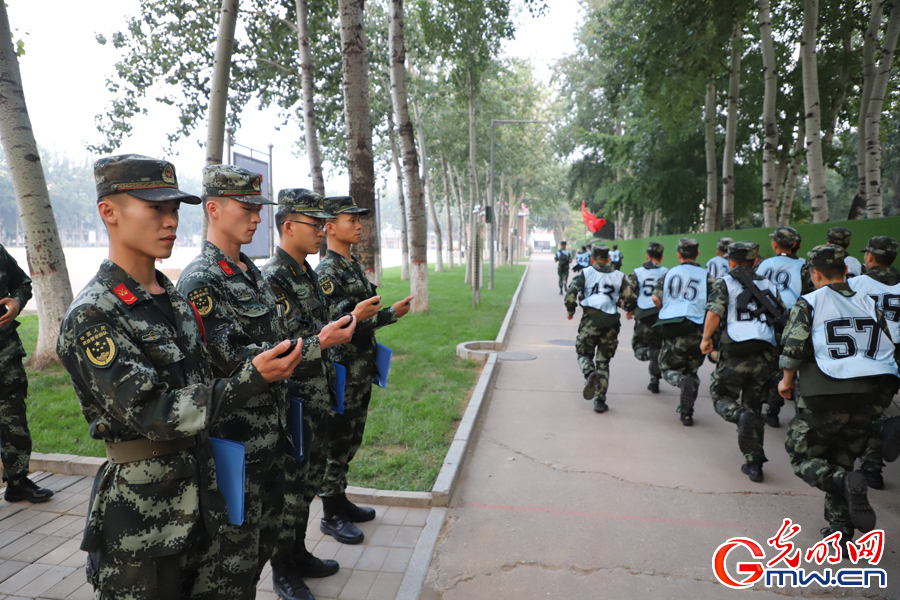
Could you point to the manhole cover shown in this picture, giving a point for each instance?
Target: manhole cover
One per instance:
(561, 342)
(515, 356)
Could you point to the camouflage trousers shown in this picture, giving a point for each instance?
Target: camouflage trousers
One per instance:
(345, 436)
(735, 387)
(871, 458)
(245, 549)
(822, 448)
(15, 439)
(563, 278)
(646, 343)
(595, 346)
(680, 358)
(302, 480)
(192, 575)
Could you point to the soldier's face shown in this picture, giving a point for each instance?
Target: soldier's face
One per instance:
(145, 227)
(306, 235)
(346, 228)
(237, 220)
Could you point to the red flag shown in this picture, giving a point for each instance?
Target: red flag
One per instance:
(594, 223)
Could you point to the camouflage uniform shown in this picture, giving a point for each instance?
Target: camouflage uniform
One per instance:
(598, 333)
(297, 291)
(742, 366)
(562, 258)
(344, 283)
(829, 432)
(15, 439)
(144, 378)
(242, 319)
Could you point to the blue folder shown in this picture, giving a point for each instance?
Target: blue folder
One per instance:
(295, 422)
(383, 356)
(340, 383)
(229, 457)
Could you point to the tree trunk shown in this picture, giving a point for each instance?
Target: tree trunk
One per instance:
(418, 275)
(784, 161)
(46, 260)
(815, 164)
(461, 224)
(360, 161)
(473, 190)
(874, 203)
(734, 91)
(712, 177)
(784, 218)
(770, 116)
(429, 192)
(464, 224)
(448, 200)
(840, 94)
(404, 226)
(513, 220)
(858, 206)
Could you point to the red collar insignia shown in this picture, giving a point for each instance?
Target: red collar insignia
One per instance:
(125, 294)
(226, 268)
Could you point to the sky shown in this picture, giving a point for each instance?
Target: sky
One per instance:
(64, 74)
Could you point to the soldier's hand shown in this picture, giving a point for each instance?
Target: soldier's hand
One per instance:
(706, 346)
(570, 317)
(629, 315)
(337, 332)
(785, 388)
(12, 311)
(402, 307)
(367, 308)
(275, 369)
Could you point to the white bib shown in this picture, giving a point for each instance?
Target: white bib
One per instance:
(583, 259)
(846, 338)
(886, 297)
(742, 325)
(601, 290)
(784, 272)
(854, 268)
(717, 267)
(646, 279)
(684, 294)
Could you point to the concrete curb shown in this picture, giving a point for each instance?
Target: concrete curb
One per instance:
(420, 562)
(503, 334)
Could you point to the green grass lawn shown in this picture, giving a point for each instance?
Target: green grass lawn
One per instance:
(410, 424)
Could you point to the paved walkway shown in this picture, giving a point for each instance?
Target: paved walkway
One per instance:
(556, 501)
(40, 556)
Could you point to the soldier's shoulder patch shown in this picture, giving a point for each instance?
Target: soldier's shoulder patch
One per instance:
(125, 294)
(326, 284)
(223, 264)
(283, 302)
(98, 345)
(201, 299)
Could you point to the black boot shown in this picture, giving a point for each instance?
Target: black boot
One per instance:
(590, 385)
(689, 387)
(23, 488)
(753, 471)
(287, 582)
(653, 386)
(855, 491)
(890, 436)
(875, 479)
(308, 565)
(354, 513)
(600, 406)
(336, 524)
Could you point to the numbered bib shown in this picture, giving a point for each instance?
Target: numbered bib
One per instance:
(684, 294)
(887, 299)
(601, 290)
(647, 279)
(717, 267)
(784, 272)
(742, 325)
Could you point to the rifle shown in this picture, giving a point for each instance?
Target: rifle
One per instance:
(765, 301)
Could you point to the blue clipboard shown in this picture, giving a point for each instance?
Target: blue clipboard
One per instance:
(229, 457)
(383, 356)
(340, 384)
(295, 422)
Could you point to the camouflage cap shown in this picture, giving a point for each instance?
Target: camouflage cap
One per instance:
(655, 247)
(564, 242)
(786, 237)
(302, 201)
(140, 176)
(688, 245)
(826, 255)
(337, 205)
(600, 251)
(882, 245)
(229, 181)
(743, 251)
(723, 243)
(840, 236)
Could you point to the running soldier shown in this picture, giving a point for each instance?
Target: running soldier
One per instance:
(562, 257)
(717, 266)
(681, 295)
(747, 350)
(582, 259)
(646, 341)
(603, 289)
(615, 258)
(838, 340)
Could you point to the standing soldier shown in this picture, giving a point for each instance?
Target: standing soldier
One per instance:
(603, 289)
(15, 439)
(681, 295)
(615, 258)
(718, 264)
(790, 275)
(882, 283)
(747, 351)
(342, 279)
(563, 257)
(301, 225)
(241, 318)
(134, 349)
(646, 340)
(841, 236)
(839, 342)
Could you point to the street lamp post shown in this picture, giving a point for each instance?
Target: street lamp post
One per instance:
(494, 124)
